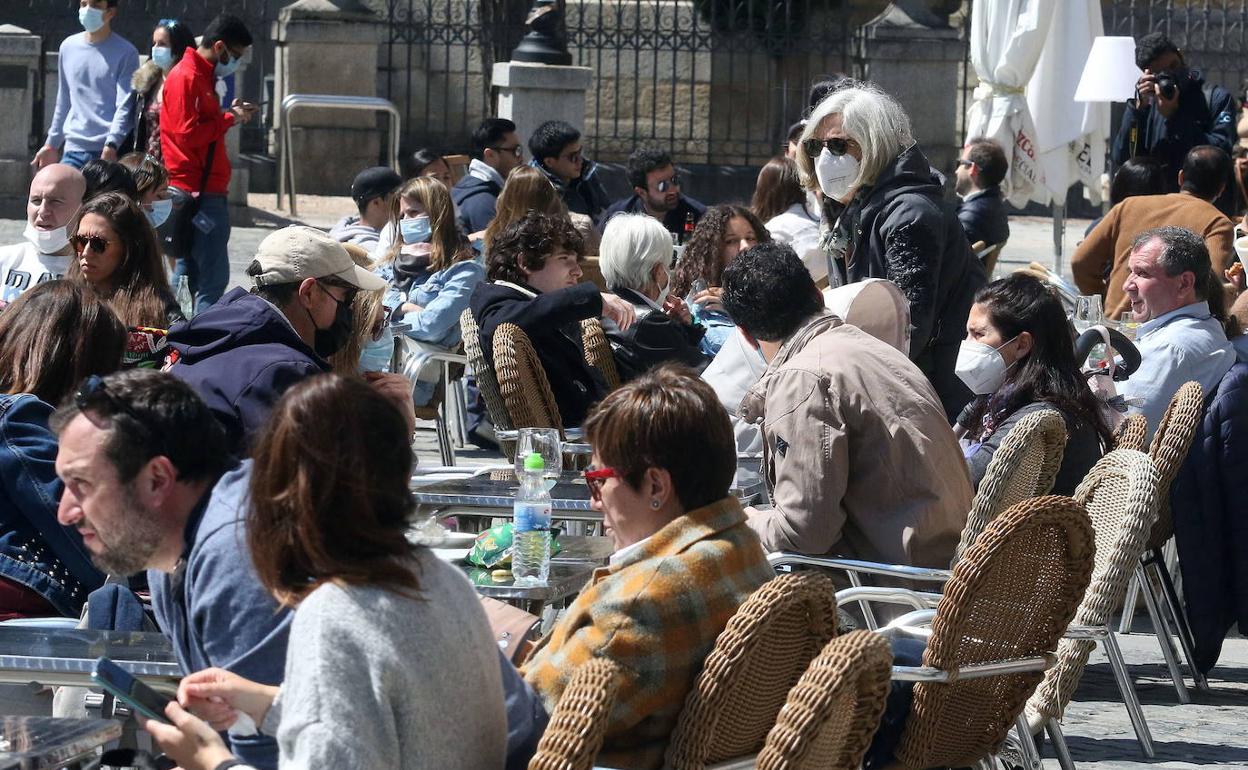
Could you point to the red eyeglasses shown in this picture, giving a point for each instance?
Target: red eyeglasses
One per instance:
(594, 478)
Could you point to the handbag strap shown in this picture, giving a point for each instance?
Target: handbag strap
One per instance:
(203, 181)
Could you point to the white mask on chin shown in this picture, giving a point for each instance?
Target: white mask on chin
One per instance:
(46, 241)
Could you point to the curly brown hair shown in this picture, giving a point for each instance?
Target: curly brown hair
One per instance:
(526, 243)
(701, 257)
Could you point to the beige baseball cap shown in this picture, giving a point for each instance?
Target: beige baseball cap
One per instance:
(297, 252)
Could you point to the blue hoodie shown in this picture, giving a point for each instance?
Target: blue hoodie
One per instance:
(475, 202)
(240, 356)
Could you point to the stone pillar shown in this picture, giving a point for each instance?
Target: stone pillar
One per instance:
(531, 94)
(328, 47)
(915, 57)
(19, 63)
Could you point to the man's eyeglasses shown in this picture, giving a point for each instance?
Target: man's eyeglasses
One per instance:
(81, 242)
(594, 479)
(518, 150)
(966, 163)
(668, 184)
(836, 146)
(347, 298)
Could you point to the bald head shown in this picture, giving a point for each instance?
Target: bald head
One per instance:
(55, 196)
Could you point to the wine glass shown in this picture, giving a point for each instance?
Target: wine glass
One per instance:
(1088, 312)
(547, 443)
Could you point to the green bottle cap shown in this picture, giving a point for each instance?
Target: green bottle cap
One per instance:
(534, 462)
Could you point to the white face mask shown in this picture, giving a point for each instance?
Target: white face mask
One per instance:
(46, 241)
(981, 367)
(835, 173)
(666, 290)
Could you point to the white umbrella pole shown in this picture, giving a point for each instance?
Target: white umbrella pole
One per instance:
(1059, 231)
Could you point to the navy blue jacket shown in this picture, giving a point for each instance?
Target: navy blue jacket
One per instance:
(673, 220)
(475, 202)
(984, 217)
(35, 550)
(583, 195)
(240, 356)
(1211, 519)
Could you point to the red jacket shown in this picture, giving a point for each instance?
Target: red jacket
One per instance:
(190, 120)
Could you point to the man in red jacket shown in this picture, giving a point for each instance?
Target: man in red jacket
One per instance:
(192, 140)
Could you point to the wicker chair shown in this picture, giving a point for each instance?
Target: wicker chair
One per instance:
(829, 718)
(1120, 494)
(598, 352)
(487, 381)
(1131, 432)
(522, 380)
(757, 659)
(574, 736)
(1168, 450)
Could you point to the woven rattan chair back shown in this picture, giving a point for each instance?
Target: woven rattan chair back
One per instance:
(830, 716)
(487, 381)
(1011, 596)
(598, 352)
(1131, 432)
(1171, 442)
(522, 380)
(574, 735)
(1120, 495)
(1024, 466)
(757, 659)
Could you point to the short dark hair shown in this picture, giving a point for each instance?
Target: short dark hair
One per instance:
(1182, 251)
(1141, 175)
(108, 176)
(413, 164)
(549, 139)
(989, 158)
(227, 29)
(148, 414)
(769, 293)
(1151, 46)
(489, 133)
(528, 242)
(1206, 170)
(643, 161)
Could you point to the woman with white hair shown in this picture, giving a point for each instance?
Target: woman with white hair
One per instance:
(886, 216)
(635, 257)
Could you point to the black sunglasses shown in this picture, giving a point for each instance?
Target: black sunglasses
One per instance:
(81, 242)
(836, 146)
(92, 391)
(667, 184)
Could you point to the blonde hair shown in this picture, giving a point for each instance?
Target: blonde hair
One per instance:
(873, 119)
(527, 189)
(448, 245)
(366, 315)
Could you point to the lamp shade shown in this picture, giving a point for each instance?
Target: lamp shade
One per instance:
(1110, 73)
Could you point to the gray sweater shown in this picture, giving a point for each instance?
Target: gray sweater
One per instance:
(375, 679)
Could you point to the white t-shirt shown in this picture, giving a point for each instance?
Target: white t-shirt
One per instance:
(22, 266)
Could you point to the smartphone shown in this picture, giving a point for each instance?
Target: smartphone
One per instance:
(124, 687)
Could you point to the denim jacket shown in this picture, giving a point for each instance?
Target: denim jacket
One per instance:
(443, 295)
(35, 550)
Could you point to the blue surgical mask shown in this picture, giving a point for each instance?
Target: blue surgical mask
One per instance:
(159, 211)
(162, 56)
(91, 19)
(225, 69)
(416, 229)
(375, 355)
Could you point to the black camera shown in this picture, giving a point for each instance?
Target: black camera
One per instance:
(1167, 85)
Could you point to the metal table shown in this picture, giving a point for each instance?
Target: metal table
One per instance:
(566, 579)
(65, 656)
(36, 743)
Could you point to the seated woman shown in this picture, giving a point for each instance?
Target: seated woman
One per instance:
(1018, 357)
(782, 205)
(391, 662)
(721, 234)
(51, 338)
(431, 272)
(534, 269)
(151, 180)
(636, 250)
(528, 189)
(662, 465)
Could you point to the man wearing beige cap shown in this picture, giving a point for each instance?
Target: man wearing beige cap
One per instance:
(242, 353)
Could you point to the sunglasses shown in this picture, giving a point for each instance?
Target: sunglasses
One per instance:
(966, 163)
(594, 479)
(92, 391)
(96, 243)
(836, 146)
(668, 184)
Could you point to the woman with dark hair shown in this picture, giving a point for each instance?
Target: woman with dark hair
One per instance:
(117, 254)
(104, 176)
(1018, 357)
(1138, 176)
(534, 272)
(783, 206)
(51, 338)
(151, 181)
(425, 162)
(391, 662)
(170, 40)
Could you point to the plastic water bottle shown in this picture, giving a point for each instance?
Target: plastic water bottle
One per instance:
(184, 298)
(530, 555)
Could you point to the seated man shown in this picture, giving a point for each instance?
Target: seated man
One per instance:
(373, 191)
(496, 150)
(685, 561)
(1177, 299)
(982, 212)
(556, 149)
(55, 197)
(242, 353)
(861, 461)
(656, 192)
(1100, 262)
(533, 271)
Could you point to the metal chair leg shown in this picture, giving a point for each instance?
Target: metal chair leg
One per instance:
(1128, 606)
(1161, 627)
(444, 438)
(1129, 697)
(1059, 745)
(1027, 743)
(1181, 624)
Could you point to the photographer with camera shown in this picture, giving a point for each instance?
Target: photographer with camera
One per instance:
(1173, 111)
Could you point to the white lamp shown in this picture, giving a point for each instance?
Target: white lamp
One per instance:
(1110, 73)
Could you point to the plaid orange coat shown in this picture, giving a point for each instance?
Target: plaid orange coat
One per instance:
(656, 613)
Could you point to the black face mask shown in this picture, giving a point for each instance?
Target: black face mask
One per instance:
(327, 342)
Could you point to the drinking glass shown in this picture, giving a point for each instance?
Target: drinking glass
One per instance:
(547, 443)
(1088, 312)
(1128, 325)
